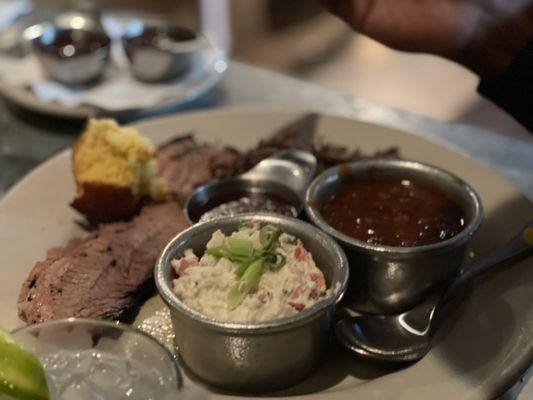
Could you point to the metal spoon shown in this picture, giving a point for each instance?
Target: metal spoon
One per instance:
(285, 175)
(407, 337)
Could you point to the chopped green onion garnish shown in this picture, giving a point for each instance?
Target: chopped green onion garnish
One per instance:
(240, 246)
(268, 235)
(243, 266)
(222, 252)
(269, 256)
(280, 261)
(248, 282)
(218, 252)
(250, 261)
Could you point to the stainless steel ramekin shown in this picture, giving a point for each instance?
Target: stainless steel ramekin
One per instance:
(386, 279)
(254, 357)
(73, 55)
(153, 54)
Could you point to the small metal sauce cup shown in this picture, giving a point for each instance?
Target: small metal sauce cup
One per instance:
(254, 357)
(387, 279)
(285, 174)
(160, 51)
(73, 53)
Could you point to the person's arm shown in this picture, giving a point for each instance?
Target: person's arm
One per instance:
(512, 89)
(490, 37)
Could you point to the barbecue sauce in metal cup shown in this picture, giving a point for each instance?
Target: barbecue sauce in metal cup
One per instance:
(394, 212)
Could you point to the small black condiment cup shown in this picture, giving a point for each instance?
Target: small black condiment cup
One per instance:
(387, 279)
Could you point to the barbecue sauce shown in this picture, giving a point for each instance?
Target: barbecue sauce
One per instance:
(394, 212)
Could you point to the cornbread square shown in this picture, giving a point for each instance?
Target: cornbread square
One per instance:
(114, 169)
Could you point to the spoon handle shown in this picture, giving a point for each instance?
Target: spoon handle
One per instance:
(518, 248)
(292, 168)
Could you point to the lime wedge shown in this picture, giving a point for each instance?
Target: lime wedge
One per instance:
(21, 373)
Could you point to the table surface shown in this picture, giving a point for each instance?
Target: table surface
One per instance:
(27, 139)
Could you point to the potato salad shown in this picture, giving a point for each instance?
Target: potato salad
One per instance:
(257, 273)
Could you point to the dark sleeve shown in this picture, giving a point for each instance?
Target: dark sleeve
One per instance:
(513, 89)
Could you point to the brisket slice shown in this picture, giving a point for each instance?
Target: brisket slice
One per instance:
(185, 164)
(99, 275)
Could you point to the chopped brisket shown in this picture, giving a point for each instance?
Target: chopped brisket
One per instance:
(327, 155)
(300, 134)
(185, 164)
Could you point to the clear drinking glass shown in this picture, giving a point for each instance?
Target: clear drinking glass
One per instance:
(86, 359)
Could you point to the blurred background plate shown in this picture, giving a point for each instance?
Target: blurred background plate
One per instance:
(190, 87)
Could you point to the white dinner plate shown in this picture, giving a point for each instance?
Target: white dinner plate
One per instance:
(476, 354)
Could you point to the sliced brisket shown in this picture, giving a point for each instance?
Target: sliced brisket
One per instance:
(98, 276)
